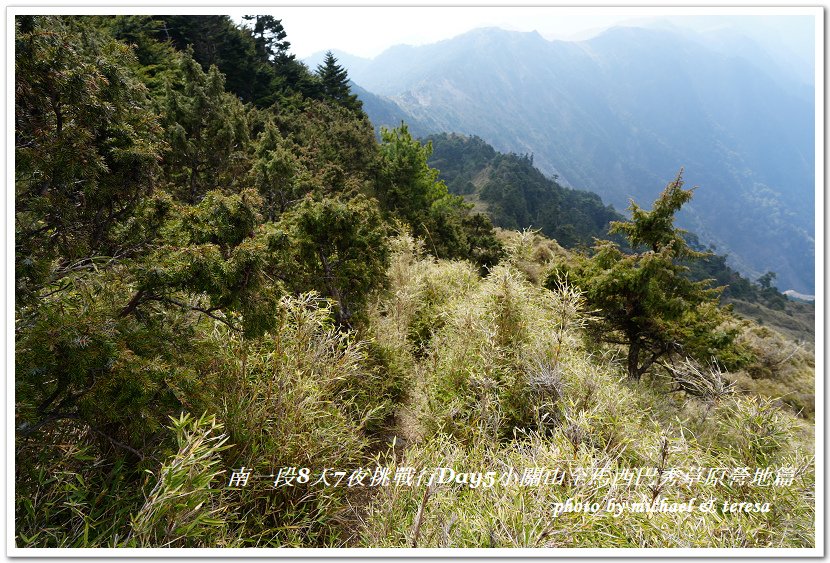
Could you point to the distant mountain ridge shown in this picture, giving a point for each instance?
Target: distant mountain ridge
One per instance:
(618, 115)
(516, 195)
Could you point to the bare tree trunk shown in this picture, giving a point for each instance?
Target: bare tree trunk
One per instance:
(342, 313)
(634, 359)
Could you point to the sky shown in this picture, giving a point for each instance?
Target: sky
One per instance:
(367, 31)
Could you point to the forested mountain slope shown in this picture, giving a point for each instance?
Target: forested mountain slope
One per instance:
(619, 114)
(517, 195)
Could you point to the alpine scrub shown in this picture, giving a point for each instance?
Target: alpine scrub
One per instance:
(242, 320)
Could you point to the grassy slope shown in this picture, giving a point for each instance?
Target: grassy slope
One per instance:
(502, 378)
(459, 371)
(797, 320)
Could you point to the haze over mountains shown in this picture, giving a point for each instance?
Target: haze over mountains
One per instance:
(619, 114)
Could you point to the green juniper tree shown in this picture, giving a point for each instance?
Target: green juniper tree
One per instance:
(645, 300)
(87, 152)
(338, 248)
(205, 129)
(274, 172)
(410, 190)
(86, 147)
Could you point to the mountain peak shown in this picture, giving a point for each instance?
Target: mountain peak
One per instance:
(499, 33)
(618, 113)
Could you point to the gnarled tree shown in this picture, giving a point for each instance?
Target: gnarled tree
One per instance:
(645, 300)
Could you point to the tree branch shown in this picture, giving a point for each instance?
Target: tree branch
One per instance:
(24, 431)
(208, 312)
(133, 304)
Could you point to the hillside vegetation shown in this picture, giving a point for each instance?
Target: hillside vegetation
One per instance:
(517, 195)
(241, 320)
(509, 380)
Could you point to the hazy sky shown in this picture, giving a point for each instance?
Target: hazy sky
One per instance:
(367, 31)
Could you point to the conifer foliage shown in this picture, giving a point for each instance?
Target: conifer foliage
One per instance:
(270, 38)
(86, 147)
(205, 130)
(645, 300)
(335, 81)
